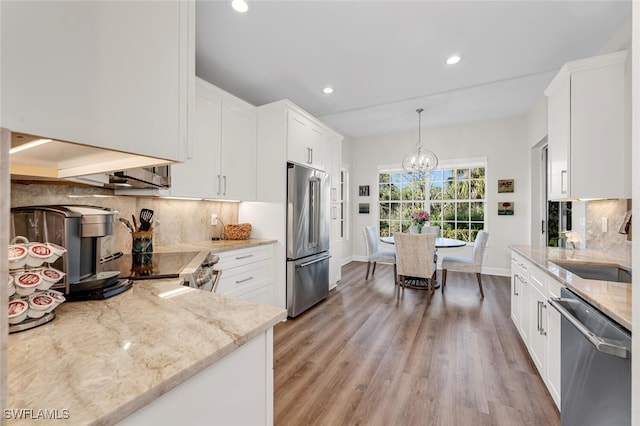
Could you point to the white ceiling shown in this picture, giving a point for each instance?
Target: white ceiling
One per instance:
(385, 59)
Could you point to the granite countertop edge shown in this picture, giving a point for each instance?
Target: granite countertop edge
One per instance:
(612, 298)
(213, 326)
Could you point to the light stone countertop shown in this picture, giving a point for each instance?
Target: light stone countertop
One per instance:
(102, 360)
(215, 246)
(612, 298)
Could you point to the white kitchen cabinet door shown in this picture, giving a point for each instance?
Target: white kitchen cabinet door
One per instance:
(589, 129)
(116, 75)
(238, 151)
(538, 307)
(305, 141)
(222, 162)
(554, 354)
(197, 176)
(559, 140)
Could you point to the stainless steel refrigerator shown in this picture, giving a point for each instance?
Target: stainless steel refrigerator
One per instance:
(308, 231)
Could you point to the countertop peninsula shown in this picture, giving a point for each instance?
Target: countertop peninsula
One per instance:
(102, 360)
(612, 298)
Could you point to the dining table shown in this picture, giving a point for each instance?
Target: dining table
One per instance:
(441, 242)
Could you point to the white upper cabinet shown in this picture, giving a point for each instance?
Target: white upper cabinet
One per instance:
(238, 157)
(589, 129)
(197, 176)
(110, 74)
(305, 141)
(222, 161)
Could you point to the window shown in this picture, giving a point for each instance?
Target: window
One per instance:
(344, 207)
(455, 200)
(400, 194)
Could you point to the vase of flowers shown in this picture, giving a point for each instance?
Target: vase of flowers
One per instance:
(420, 219)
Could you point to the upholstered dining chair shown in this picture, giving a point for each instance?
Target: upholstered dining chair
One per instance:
(375, 255)
(432, 230)
(471, 264)
(415, 257)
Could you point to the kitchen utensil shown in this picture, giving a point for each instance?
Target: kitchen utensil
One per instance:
(145, 219)
(135, 223)
(126, 223)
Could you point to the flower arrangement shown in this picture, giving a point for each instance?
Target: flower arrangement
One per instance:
(420, 217)
(572, 237)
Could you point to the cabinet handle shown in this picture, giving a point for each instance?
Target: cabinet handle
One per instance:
(515, 293)
(563, 182)
(309, 155)
(539, 317)
(224, 191)
(219, 184)
(244, 281)
(244, 257)
(543, 332)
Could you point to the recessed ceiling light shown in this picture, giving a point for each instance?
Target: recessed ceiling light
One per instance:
(454, 59)
(327, 90)
(240, 6)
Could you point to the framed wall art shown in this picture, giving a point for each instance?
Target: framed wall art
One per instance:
(505, 208)
(363, 190)
(505, 185)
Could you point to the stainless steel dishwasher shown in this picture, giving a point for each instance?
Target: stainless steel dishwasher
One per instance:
(596, 365)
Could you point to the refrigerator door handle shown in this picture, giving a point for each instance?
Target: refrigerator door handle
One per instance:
(311, 262)
(603, 345)
(314, 212)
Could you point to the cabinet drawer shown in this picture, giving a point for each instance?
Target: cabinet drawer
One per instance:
(235, 258)
(553, 288)
(238, 281)
(538, 278)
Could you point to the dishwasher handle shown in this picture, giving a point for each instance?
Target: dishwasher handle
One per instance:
(607, 346)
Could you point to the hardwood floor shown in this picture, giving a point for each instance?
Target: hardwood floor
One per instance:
(367, 357)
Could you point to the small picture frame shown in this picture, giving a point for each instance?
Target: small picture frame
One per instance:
(506, 185)
(363, 190)
(363, 208)
(505, 208)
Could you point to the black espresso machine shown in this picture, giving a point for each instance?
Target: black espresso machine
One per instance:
(78, 228)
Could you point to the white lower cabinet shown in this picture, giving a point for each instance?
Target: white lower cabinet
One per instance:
(247, 273)
(536, 320)
(236, 390)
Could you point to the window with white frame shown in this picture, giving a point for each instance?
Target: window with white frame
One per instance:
(453, 195)
(344, 207)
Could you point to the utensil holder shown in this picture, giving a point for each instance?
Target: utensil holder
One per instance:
(142, 242)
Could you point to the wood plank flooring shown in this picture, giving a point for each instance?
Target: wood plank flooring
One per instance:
(368, 357)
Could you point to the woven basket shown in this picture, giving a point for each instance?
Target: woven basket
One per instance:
(240, 231)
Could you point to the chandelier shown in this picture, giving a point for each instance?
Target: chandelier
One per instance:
(420, 160)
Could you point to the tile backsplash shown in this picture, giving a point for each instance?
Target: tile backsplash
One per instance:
(178, 221)
(614, 211)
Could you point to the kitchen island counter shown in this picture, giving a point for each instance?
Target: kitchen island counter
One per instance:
(612, 298)
(99, 361)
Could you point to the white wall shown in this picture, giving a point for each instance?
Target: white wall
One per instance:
(505, 145)
(537, 136)
(635, 158)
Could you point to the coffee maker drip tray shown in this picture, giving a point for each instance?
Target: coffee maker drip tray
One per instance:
(116, 287)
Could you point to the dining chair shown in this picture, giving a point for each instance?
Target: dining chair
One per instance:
(415, 257)
(432, 230)
(467, 264)
(375, 255)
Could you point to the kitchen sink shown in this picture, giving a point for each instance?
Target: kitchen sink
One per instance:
(597, 271)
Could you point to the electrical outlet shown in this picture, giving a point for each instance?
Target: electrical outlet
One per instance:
(604, 222)
(214, 219)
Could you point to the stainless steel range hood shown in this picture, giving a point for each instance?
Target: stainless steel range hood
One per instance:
(45, 159)
(141, 178)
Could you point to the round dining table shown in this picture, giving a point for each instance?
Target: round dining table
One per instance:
(441, 242)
